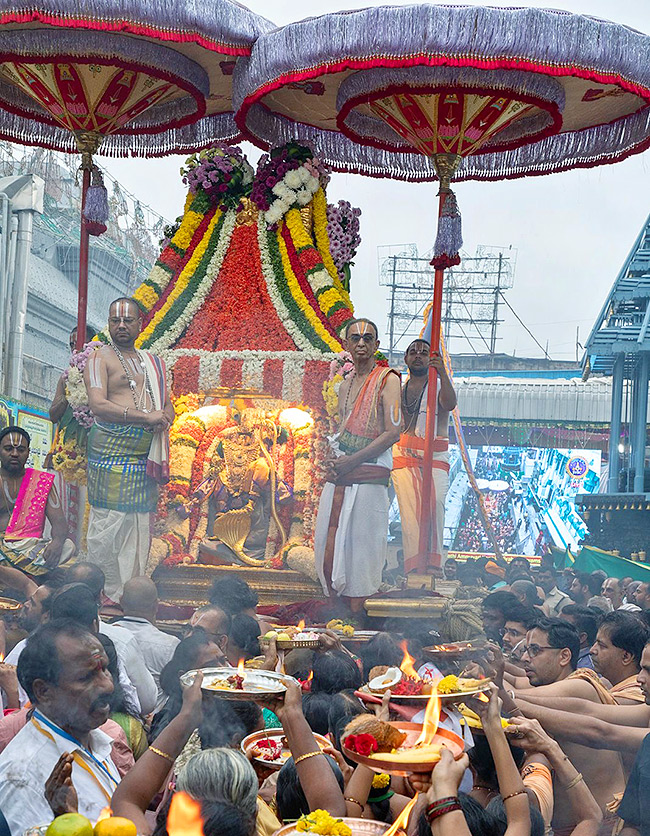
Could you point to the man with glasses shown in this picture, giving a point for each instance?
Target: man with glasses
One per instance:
(549, 658)
(350, 541)
(127, 447)
(409, 453)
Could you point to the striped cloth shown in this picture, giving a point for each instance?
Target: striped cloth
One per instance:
(117, 468)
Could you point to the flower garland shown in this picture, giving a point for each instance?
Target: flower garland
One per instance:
(238, 310)
(309, 312)
(291, 311)
(69, 459)
(332, 300)
(202, 271)
(343, 236)
(163, 270)
(323, 244)
(75, 388)
(341, 368)
(222, 172)
(290, 176)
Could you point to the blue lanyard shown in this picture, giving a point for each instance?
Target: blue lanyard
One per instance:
(64, 734)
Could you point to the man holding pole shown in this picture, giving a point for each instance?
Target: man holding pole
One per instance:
(408, 456)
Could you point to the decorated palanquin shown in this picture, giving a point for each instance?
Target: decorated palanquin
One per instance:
(246, 304)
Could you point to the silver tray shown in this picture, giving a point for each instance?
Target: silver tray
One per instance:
(258, 685)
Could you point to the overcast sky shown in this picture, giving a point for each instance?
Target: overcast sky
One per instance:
(572, 230)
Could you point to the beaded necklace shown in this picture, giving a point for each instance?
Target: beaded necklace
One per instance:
(141, 400)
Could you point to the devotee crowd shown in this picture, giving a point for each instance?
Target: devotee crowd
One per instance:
(471, 534)
(97, 715)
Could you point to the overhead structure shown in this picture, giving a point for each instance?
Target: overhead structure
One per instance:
(132, 78)
(426, 92)
(619, 346)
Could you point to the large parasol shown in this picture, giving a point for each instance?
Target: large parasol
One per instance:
(427, 92)
(136, 78)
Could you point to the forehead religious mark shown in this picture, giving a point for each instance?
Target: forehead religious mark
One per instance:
(15, 439)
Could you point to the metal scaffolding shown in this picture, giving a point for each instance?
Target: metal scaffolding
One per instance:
(472, 296)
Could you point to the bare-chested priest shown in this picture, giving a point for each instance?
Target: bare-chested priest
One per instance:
(128, 447)
(408, 456)
(350, 541)
(28, 500)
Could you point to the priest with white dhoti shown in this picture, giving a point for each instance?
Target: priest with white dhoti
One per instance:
(350, 541)
(128, 448)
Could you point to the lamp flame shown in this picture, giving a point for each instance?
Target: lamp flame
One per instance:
(2, 657)
(184, 817)
(402, 821)
(106, 813)
(407, 663)
(482, 697)
(301, 625)
(431, 719)
(241, 667)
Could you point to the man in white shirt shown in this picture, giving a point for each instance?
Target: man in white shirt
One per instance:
(125, 643)
(555, 600)
(63, 670)
(32, 614)
(140, 605)
(613, 591)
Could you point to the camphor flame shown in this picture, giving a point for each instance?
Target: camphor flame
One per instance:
(402, 821)
(2, 657)
(241, 669)
(301, 625)
(184, 817)
(482, 697)
(310, 677)
(106, 813)
(431, 719)
(407, 663)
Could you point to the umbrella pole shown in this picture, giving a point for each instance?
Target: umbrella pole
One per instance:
(88, 143)
(82, 302)
(425, 557)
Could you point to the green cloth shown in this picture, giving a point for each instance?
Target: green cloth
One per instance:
(590, 559)
(562, 558)
(270, 719)
(117, 468)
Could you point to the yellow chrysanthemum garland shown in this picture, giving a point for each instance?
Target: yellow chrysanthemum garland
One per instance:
(321, 822)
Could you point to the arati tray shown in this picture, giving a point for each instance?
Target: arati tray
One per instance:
(257, 684)
(403, 762)
(253, 740)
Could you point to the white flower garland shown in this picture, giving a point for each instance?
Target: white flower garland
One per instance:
(298, 186)
(173, 332)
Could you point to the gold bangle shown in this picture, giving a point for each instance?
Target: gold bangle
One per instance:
(162, 754)
(354, 801)
(513, 794)
(575, 782)
(307, 755)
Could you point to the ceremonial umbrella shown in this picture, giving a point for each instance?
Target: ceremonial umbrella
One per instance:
(136, 78)
(427, 92)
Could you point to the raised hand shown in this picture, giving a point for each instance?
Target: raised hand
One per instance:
(59, 789)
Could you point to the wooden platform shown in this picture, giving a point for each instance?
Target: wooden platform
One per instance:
(190, 585)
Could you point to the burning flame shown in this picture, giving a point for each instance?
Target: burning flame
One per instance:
(301, 625)
(184, 817)
(240, 667)
(2, 657)
(401, 822)
(106, 813)
(407, 664)
(482, 697)
(311, 676)
(431, 719)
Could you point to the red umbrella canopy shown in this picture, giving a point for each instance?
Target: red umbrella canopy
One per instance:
(513, 92)
(144, 78)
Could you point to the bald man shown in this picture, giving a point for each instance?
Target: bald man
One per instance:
(127, 447)
(140, 606)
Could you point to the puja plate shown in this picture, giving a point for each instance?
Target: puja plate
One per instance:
(258, 685)
(398, 698)
(453, 650)
(458, 696)
(292, 644)
(359, 827)
(253, 740)
(9, 605)
(405, 761)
